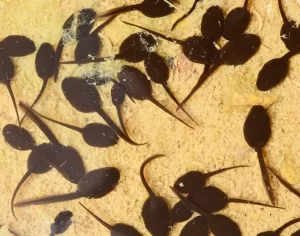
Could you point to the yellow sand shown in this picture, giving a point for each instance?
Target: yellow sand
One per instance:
(220, 108)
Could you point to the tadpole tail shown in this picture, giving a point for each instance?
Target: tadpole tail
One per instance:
(285, 183)
(12, 96)
(170, 39)
(112, 124)
(104, 24)
(185, 15)
(58, 53)
(119, 10)
(265, 176)
(282, 13)
(246, 4)
(151, 99)
(75, 128)
(38, 97)
(49, 200)
(120, 117)
(97, 218)
(206, 73)
(236, 200)
(167, 89)
(147, 187)
(22, 180)
(210, 174)
(42, 126)
(86, 61)
(191, 205)
(290, 54)
(294, 221)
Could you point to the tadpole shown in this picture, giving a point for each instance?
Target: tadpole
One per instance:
(235, 52)
(180, 213)
(118, 97)
(94, 184)
(297, 233)
(155, 212)
(290, 31)
(149, 8)
(7, 72)
(213, 199)
(61, 223)
(94, 134)
(134, 48)
(158, 71)
(195, 180)
(17, 46)
(18, 137)
(186, 14)
(196, 227)
(279, 230)
(119, 229)
(91, 45)
(44, 66)
(274, 72)
(236, 22)
(219, 225)
(196, 48)
(212, 24)
(36, 164)
(257, 132)
(139, 87)
(66, 160)
(285, 183)
(85, 98)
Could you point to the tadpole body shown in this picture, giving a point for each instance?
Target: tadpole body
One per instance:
(18, 137)
(17, 46)
(236, 22)
(196, 227)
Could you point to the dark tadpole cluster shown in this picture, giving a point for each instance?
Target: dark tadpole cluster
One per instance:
(276, 70)
(83, 95)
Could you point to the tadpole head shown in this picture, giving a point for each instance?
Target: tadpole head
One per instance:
(155, 9)
(236, 23)
(212, 24)
(136, 47)
(135, 83)
(257, 128)
(290, 35)
(18, 137)
(45, 61)
(156, 68)
(272, 74)
(83, 96)
(99, 182)
(18, 45)
(190, 182)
